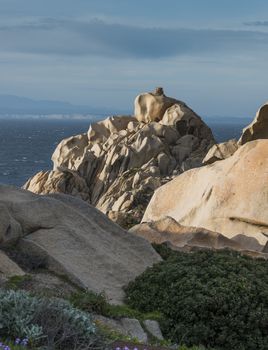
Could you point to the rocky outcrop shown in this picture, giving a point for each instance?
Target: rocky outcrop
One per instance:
(229, 197)
(75, 240)
(258, 129)
(120, 162)
(8, 268)
(151, 106)
(221, 151)
(186, 238)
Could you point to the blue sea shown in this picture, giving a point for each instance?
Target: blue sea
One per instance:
(26, 146)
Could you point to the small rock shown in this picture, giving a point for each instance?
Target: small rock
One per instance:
(134, 329)
(153, 327)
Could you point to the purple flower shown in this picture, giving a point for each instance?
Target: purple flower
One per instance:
(25, 341)
(17, 341)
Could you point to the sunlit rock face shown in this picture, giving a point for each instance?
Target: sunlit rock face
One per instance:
(229, 196)
(120, 161)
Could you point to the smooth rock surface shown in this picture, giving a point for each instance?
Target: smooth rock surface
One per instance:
(229, 197)
(77, 240)
(119, 163)
(151, 106)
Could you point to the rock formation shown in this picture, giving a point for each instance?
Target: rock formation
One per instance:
(119, 163)
(74, 239)
(258, 129)
(220, 151)
(8, 268)
(186, 238)
(229, 196)
(151, 106)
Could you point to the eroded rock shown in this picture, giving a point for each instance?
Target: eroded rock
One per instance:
(258, 129)
(120, 162)
(220, 151)
(229, 197)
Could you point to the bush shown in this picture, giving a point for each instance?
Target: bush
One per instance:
(217, 299)
(98, 303)
(52, 323)
(90, 302)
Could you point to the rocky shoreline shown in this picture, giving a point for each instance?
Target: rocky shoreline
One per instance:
(158, 174)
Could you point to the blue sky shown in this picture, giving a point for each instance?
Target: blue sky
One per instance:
(212, 54)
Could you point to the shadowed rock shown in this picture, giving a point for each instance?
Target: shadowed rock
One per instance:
(76, 240)
(258, 129)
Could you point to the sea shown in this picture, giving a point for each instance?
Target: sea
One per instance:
(26, 145)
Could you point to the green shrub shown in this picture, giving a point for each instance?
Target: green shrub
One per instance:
(53, 323)
(90, 302)
(98, 303)
(217, 299)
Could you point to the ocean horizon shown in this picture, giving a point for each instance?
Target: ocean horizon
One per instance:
(28, 144)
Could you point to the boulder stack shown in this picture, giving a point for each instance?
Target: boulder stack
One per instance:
(117, 165)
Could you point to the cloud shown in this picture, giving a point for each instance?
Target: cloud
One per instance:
(257, 24)
(96, 37)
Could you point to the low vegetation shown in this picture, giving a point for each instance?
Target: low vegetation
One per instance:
(50, 323)
(99, 304)
(216, 299)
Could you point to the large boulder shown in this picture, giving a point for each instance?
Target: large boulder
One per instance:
(75, 240)
(229, 197)
(151, 106)
(258, 129)
(119, 163)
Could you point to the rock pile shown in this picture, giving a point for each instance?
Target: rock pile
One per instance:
(122, 160)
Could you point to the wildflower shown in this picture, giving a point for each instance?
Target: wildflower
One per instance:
(17, 341)
(24, 342)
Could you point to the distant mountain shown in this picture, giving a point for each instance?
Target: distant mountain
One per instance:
(10, 105)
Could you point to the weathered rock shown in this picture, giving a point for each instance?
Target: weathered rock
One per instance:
(151, 106)
(258, 129)
(229, 197)
(77, 240)
(129, 327)
(153, 328)
(120, 162)
(9, 268)
(220, 151)
(186, 238)
(135, 329)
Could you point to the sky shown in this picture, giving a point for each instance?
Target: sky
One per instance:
(212, 54)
